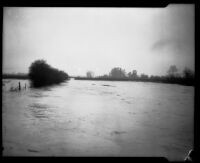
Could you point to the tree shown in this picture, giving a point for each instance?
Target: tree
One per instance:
(129, 74)
(133, 74)
(117, 72)
(90, 74)
(188, 74)
(155, 78)
(105, 76)
(144, 76)
(172, 72)
(42, 74)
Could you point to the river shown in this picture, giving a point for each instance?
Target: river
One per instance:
(98, 118)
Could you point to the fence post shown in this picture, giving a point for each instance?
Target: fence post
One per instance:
(19, 86)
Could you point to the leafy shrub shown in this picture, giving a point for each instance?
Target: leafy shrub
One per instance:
(42, 74)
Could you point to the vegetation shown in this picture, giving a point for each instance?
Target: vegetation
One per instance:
(15, 76)
(90, 74)
(172, 72)
(187, 77)
(117, 72)
(133, 74)
(42, 74)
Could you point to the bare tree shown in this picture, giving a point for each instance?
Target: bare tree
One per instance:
(133, 74)
(172, 72)
(90, 74)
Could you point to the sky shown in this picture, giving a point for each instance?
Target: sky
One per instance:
(78, 40)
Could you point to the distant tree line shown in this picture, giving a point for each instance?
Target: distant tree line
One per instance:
(172, 76)
(41, 73)
(15, 76)
(90, 74)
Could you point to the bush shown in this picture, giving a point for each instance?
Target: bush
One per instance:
(41, 74)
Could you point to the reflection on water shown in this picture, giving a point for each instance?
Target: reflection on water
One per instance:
(38, 95)
(39, 110)
(9, 84)
(98, 118)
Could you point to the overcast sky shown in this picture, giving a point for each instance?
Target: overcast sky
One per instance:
(80, 39)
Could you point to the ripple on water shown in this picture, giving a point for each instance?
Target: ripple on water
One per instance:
(118, 132)
(38, 95)
(106, 85)
(41, 111)
(106, 93)
(32, 150)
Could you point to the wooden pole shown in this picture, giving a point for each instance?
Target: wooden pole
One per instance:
(19, 86)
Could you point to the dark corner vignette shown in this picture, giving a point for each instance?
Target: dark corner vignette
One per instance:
(63, 76)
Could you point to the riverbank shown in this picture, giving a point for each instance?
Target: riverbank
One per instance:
(15, 76)
(181, 82)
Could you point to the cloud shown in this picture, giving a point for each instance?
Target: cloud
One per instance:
(170, 44)
(176, 45)
(175, 29)
(160, 44)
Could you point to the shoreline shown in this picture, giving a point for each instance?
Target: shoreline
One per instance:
(132, 80)
(106, 79)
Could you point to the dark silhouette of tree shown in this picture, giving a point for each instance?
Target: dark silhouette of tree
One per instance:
(90, 74)
(104, 76)
(172, 72)
(144, 77)
(129, 75)
(15, 76)
(157, 78)
(187, 73)
(188, 76)
(133, 75)
(117, 72)
(42, 74)
(172, 75)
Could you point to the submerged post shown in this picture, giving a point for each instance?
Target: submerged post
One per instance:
(25, 85)
(19, 86)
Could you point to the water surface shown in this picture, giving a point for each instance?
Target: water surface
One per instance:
(98, 118)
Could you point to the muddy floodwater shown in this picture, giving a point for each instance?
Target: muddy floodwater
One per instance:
(98, 118)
